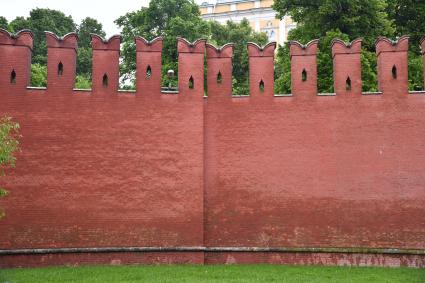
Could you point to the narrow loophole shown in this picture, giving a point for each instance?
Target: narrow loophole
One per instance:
(261, 86)
(348, 84)
(148, 72)
(105, 80)
(60, 69)
(394, 72)
(304, 75)
(13, 77)
(191, 83)
(219, 77)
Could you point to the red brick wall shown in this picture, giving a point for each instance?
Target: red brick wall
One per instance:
(149, 169)
(304, 68)
(105, 74)
(347, 67)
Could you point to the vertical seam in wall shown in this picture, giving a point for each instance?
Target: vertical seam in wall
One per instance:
(204, 177)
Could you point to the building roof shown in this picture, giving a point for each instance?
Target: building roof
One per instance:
(221, 2)
(232, 1)
(206, 4)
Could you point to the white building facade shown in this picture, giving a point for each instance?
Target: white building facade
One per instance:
(259, 13)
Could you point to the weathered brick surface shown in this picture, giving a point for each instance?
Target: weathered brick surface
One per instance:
(148, 169)
(392, 65)
(261, 70)
(106, 55)
(316, 259)
(304, 69)
(148, 57)
(61, 63)
(318, 172)
(15, 56)
(102, 259)
(347, 67)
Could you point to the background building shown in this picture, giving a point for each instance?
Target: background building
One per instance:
(259, 13)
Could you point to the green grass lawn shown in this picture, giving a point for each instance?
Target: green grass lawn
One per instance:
(233, 273)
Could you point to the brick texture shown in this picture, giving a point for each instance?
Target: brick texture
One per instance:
(150, 169)
(106, 55)
(347, 67)
(392, 65)
(304, 69)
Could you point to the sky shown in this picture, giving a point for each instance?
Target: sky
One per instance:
(105, 11)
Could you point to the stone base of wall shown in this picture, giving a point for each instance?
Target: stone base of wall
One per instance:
(285, 258)
(304, 258)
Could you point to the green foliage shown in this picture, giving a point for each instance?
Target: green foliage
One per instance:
(19, 23)
(82, 82)
(84, 61)
(239, 34)
(39, 21)
(408, 18)
(84, 58)
(3, 23)
(88, 26)
(171, 18)
(415, 71)
(347, 20)
(181, 18)
(213, 274)
(38, 75)
(283, 70)
(356, 18)
(9, 144)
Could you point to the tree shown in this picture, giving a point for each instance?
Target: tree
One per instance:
(38, 75)
(357, 18)
(347, 19)
(239, 34)
(171, 18)
(408, 20)
(84, 58)
(9, 134)
(19, 23)
(82, 82)
(3, 23)
(88, 26)
(38, 22)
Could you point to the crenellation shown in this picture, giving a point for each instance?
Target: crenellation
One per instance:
(392, 56)
(15, 61)
(219, 76)
(99, 43)
(149, 65)
(261, 70)
(21, 38)
(191, 67)
(347, 67)
(106, 55)
(304, 69)
(69, 40)
(62, 56)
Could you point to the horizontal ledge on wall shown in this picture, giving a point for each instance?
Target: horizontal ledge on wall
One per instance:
(37, 87)
(169, 91)
(213, 249)
(124, 91)
(372, 93)
(163, 91)
(417, 92)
